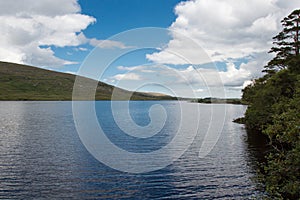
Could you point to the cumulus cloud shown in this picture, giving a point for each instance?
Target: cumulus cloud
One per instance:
(127, 77)
(45, 7)
(188, 80)
(225, 29)
(81, 49)
(140, 68)
(199, 90)
(30, 28)
(107, 44)
(188, 75)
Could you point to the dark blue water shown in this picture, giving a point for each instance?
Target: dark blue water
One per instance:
(41, 156)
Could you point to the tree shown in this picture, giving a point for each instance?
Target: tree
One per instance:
(287, 43)
(274, 110)
(281, 173)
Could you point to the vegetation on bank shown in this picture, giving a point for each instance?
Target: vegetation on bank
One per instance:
(218, 100)
(21, 82)
(274, 110)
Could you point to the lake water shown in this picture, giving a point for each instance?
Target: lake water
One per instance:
(42, 156)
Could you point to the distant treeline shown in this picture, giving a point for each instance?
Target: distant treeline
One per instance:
(218, 100)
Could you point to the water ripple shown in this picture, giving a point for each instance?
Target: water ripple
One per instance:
(41, 156)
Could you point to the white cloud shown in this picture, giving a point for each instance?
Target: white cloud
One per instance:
(195, 76)
(189, 81)
(206, 31)
(201, 79)
(140, 68)
(70, 72)
(225, 29)
(80, 49)
(127, 77)
(44, 7)
(199, 90)
(246, 83)
(28, 25)
(107, 44)
(42, 57)
(29, 28)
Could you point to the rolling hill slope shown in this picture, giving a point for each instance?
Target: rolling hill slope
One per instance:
(22, 82)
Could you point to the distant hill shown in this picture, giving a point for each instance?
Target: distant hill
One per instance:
(22, 82)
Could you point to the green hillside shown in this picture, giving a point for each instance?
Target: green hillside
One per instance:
(21, 82)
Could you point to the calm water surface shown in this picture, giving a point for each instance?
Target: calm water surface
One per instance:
(41, 156)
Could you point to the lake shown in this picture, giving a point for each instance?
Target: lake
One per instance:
(42, 156)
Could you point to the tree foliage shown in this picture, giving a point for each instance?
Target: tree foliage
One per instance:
(274, 110)
(287, 43)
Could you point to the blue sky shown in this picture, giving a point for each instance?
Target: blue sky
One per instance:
(206, 47)
(115, 16)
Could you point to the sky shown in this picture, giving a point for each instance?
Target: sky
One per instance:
(191, 48)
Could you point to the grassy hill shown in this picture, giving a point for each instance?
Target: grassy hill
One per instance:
(21, 82)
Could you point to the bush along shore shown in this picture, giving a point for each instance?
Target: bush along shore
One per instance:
(274, 110)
